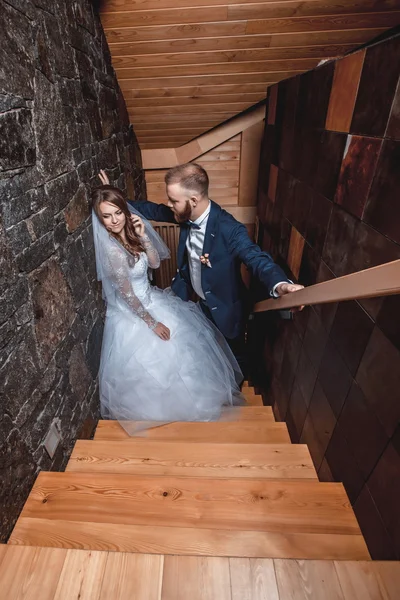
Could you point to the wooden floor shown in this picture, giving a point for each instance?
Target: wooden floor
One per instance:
(191, 510)
(31, 573)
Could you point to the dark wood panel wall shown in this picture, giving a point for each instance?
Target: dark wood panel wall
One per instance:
(329, 205)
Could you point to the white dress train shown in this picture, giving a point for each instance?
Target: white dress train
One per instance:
(142, 378)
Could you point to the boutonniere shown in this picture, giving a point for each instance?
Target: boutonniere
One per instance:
(205, 260)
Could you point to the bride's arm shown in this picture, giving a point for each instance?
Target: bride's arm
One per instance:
(152, 254)
(118, 273)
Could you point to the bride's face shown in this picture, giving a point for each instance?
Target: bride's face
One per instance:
(113, 217)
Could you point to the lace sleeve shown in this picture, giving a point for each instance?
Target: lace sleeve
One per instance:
(117, 269)
(152, 254)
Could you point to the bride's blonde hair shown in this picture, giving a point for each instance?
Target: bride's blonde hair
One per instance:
(109, 193)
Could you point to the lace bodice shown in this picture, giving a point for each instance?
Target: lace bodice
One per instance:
(130, 280)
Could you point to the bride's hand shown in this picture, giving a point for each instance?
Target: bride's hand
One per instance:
(138, 225)
(162, 332)
(104, 177)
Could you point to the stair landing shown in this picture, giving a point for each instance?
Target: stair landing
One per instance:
(58, 574)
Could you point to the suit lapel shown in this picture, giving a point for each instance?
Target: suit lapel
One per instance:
(210, 235)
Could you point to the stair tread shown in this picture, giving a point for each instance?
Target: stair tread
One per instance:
(257, 505)
(246, 431)
(248, 413)
(277, 461)
(251, 397)
(190, 541)
(53, 573)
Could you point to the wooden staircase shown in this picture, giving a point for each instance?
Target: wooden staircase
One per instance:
(202, 510)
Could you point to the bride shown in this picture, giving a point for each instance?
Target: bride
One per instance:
(162, 360)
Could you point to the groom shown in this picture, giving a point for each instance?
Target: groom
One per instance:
(212, 246)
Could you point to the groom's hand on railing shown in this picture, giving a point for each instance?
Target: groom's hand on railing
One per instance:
(288, 288)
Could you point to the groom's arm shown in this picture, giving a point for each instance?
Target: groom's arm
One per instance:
(259, 263)
(153, 211)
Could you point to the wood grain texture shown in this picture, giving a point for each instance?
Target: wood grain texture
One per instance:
(324, 23)
(209, 578)
(182, 109)
(158, 577)
(129, 576)
(168, 45)
(173, 81)
(253, 579)
(344, 92)
(82, 576)
(298, 9)
(299, 580)
(383, 280)
(262, 66)
(187, 541)
(244, 432)
(139, 5)
(209, 503)
(194, 91)
(221, 56)
(249, 163)
(208, 148)
(295, 253)
(30, 573)
(368, 581)
(199, 100)
(270, 461)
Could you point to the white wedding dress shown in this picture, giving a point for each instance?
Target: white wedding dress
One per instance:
(145, 379)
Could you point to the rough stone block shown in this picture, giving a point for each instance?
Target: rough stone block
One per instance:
(16, 52)
(60, 191)
(17, 140)
(50, 122)
(53, 307)
(77, 210)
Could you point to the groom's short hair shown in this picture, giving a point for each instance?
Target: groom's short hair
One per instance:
(190, 176)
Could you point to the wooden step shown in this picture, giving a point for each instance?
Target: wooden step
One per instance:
(57, 574)
(251, 397)
(148, 457)
(188, 516)
(228, 432)
(248, 413)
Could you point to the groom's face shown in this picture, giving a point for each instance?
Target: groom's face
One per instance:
(180, 202)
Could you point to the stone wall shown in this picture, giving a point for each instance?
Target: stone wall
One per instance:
(329, 206)
(62, 118)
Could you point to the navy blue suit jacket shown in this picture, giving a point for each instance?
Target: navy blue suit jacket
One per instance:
(228, 244)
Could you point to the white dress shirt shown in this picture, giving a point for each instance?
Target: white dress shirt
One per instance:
(194, 246)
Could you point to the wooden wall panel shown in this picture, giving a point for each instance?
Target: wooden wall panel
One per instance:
(249, 163)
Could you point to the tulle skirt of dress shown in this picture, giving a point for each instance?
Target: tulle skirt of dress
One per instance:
(145, 381)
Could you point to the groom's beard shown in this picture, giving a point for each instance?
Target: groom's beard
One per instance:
(184, 215)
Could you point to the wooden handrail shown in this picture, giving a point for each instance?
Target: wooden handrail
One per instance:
(383, 280)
